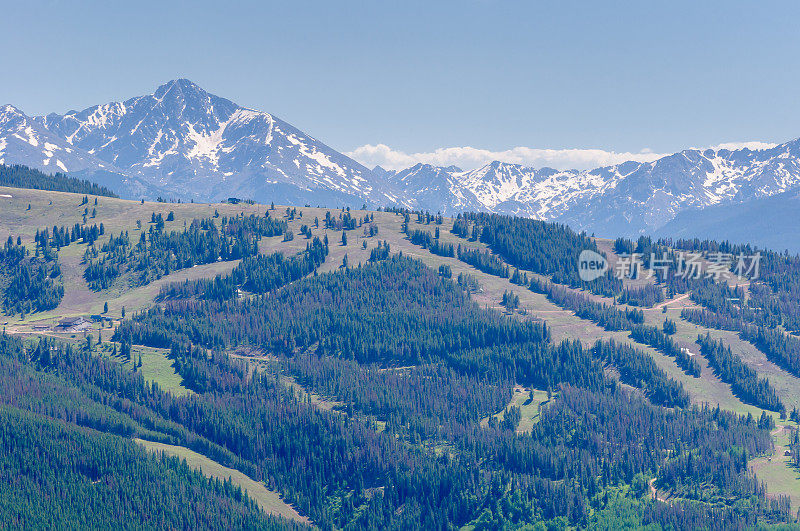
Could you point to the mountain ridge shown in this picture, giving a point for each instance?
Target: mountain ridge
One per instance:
(632, 197)
(185, 143)
(198, 146)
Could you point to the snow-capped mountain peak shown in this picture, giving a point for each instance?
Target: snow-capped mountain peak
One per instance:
(197, 145)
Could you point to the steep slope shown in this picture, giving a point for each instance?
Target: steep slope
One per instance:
(183, 142)
(538, 193)
(506, 188)
(25, 141)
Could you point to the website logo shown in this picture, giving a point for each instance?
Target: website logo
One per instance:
(591, 265)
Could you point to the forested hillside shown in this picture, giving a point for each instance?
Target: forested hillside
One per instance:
(351, 326)
(65, 423)
(386, 370)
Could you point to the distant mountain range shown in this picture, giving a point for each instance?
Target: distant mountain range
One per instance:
(769, 222)
(182, 142)
(628, 198)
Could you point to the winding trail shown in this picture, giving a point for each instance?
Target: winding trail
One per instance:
(654, 491)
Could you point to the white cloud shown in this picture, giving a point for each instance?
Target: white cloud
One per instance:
(469, 157)
(754, 145)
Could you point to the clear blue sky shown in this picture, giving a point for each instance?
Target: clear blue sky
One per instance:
(422, 75)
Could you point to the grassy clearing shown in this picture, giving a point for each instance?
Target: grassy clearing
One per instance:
(314, 399)
(269, 501)
(776, 470)
(786, 385)
(530, 408)
(263, 362)
(156, 366)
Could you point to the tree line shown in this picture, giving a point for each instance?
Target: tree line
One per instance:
(159, 253)
(549, 249)
(17, 176)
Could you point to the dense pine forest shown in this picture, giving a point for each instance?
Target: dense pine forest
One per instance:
(65, 423)
(29, 284)
(544, 248)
